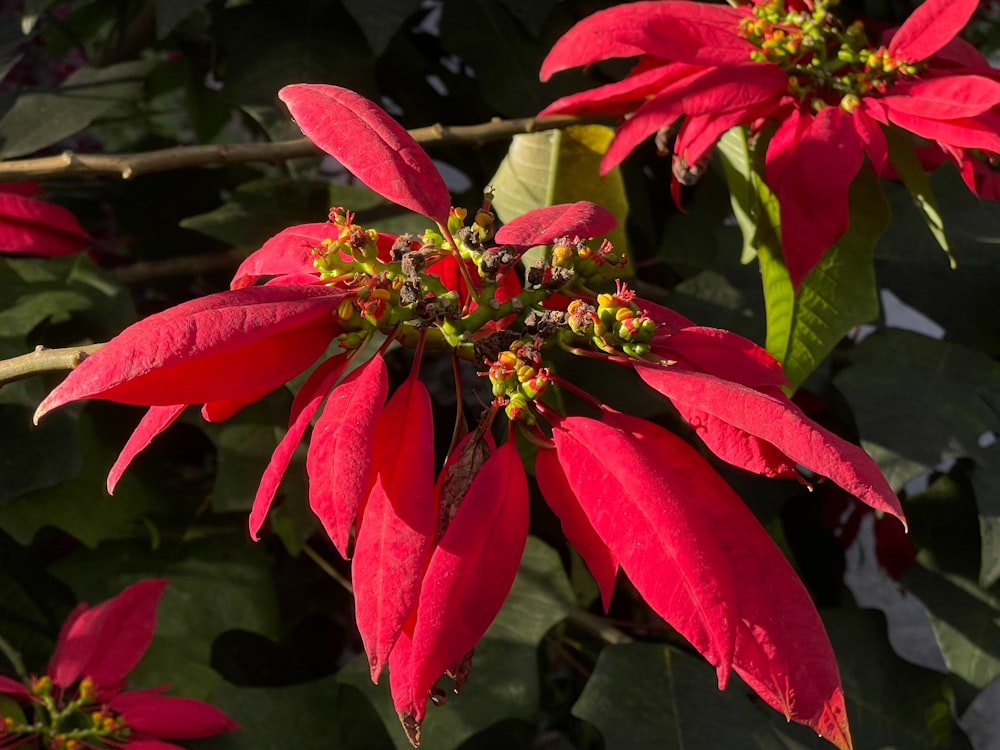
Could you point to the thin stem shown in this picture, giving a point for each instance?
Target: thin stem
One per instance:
(127, 166)
(43, 360)
(14, 657)
(327, 568)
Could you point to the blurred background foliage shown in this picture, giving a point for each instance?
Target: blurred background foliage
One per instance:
(263, 629)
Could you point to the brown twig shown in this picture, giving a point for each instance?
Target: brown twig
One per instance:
(127, 166)
(43, 360)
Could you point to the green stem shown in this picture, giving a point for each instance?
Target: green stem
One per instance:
(327, 568)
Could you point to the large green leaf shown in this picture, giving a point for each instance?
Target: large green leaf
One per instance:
(919, 401)
(169, 13)
(560, 166)
(890, 702)
(504, 682)
(646, 696)
(986, 485)
(319, 715)
(39, 119)
(81, 506)
(804, 326)
(966, 624)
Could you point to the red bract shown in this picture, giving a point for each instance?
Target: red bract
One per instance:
(373, 146)
(97, 647)
(710, 68)
(36, 227)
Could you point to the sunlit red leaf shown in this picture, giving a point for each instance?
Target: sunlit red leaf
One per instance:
(106, 641)
(931, 26)
(470, 571)
(371, 145)
(575, 525)
(782, 650)
(542, 226)
(711, 91)
(661, 543)
(339, 462)
(623, 96)
(13, 687)
(306, 402)
(398, 521)
(289, 251)
(688, 32)
(771, 417)
(155, 421)
(813, 191)
(722, 353)
(222, 346)
(946, 98)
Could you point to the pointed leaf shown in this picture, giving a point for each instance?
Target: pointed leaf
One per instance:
(576, 526)
(684, 31)
(218, 347)
(307, 401)
(375, 148)
(931, 26)
(339, 462)
(36, 227)
(471, 570)
(171, 717)
(543, 226)
(106, 641)
(815, 212)
(398, 522)
(772, 417)
(155, 421)
(289, 251)
(663, 547)
(782, 650)
(946, 98)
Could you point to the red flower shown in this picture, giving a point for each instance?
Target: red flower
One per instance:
(831, 93)
(83, 688)
(36, 227)
(434, 557)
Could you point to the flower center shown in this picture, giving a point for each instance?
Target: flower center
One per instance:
(827, 62)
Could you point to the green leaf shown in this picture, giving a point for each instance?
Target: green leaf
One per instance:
(507, 66)
(218, 582)
(33, 458)
(646, 696)
(918, 401)
(33, 9)
(965, 622)
(912, 173)
(504, 682)
(836, 295)
(40, 119)
(81, 506)
(890, 702)
(317, 715)
(560, 166)
(381, 20)
(986, 484)
(169, 13)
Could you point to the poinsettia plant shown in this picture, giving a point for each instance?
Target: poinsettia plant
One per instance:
(81, 700)
(822, 99)
(434, 553)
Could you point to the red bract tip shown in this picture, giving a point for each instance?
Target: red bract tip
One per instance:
(371, 145)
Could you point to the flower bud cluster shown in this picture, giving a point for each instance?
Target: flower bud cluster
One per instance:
(615, 325)
(517, 378)
(827, 63)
